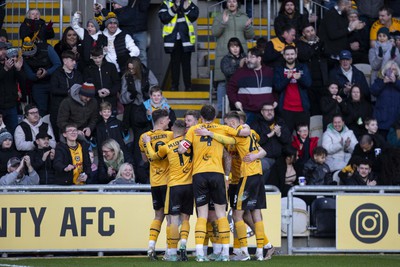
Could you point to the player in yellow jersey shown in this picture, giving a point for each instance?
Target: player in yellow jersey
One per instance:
(208, 178)
(179, 199)
(158, 173)
(250, 194)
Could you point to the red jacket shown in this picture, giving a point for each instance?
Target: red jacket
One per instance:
(296, 144)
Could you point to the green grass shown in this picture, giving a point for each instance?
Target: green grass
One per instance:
(277, 261)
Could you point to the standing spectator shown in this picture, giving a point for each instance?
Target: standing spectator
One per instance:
(104, 76)
(230, 23)
(132, 16)
(273, 50)
(335, 28)
(120, 44)
(71, 162)
(369, 10)
(290, 14)
(70, 41)
(11, 75)
(381, 52)
(42, 158)
(339, 141)
(179, 37)
(79, 108)
(331, 104)
(358, 39)
(229, 64)
(386, 89)
(16, 172)
(7, 150)
(26, 131)
(251, 86)
(346, 75)
(61, 82)
(35, 27)
(311, 51)
(274, 135)
(40, 62)
(355, 110)
(385, 20)
(292, 82)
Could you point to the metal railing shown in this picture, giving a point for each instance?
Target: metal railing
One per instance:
(326, 191)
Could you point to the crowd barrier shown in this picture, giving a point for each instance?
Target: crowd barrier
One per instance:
(367, 218)
(94, 218)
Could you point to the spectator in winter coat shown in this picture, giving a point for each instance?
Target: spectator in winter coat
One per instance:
(16, 172)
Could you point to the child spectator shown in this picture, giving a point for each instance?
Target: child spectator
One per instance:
(16, 172)
(34, 26)
(371, 125)
(7, 150)
(104, 76)
(379, 54)
(42, 158)
(157, 101)
(330, 104)
(316, 171)
(304, 144)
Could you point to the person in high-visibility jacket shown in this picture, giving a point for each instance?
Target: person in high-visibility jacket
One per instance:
(179, 37)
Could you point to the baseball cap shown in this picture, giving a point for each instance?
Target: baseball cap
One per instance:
(345, 54)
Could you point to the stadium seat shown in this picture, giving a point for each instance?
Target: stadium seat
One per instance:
(300, 218)
(336, 178)
(323, 217)
(366, 69)
(316, 127)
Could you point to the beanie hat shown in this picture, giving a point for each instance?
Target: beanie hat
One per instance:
(385, 31)
(122, 3)
(87, 89)
(111, 17)
(28, 47)
(95, 23)
(4, 135)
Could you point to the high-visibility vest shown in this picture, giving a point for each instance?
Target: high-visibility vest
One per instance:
(169, 28)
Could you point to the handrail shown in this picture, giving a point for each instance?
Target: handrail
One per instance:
(326, 190)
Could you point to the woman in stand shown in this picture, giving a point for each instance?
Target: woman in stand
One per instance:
(111, 161)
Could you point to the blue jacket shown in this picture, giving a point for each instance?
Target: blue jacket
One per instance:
(281, 82)
(387, 108)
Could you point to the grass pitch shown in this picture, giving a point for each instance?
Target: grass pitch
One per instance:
(277, 261)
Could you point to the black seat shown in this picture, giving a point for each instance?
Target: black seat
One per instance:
(323, 217)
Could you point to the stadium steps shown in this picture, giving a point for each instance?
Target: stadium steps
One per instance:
(181, 101)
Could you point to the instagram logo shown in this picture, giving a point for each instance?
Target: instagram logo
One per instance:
(369, 223)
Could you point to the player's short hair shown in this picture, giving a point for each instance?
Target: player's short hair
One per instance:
(320, 151)
(232, 115)
(180, 124)
(208, 112)
(194, 113)
(158, 114)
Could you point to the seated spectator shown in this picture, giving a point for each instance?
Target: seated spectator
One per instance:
(386, 89)
(35, 27)
(339, 141)
(371, 125)
(274, 135)
(385, 20)
(272, 56)
(26, 131)
(284, 173)
(358, 39)
(304, 144)
(61, 82)
(355, 109)
(380, 54)
(16, 172)
(289, 14)
(105, 78)
(346, 75)
(71, 163)
(315, 170)
(40, 62)
(91, 37)
(331, 104)
(109, 163)
(70, 41)
(362, 176)
(42, 157)
(125, 175)
(7, 150)
(79, 108)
